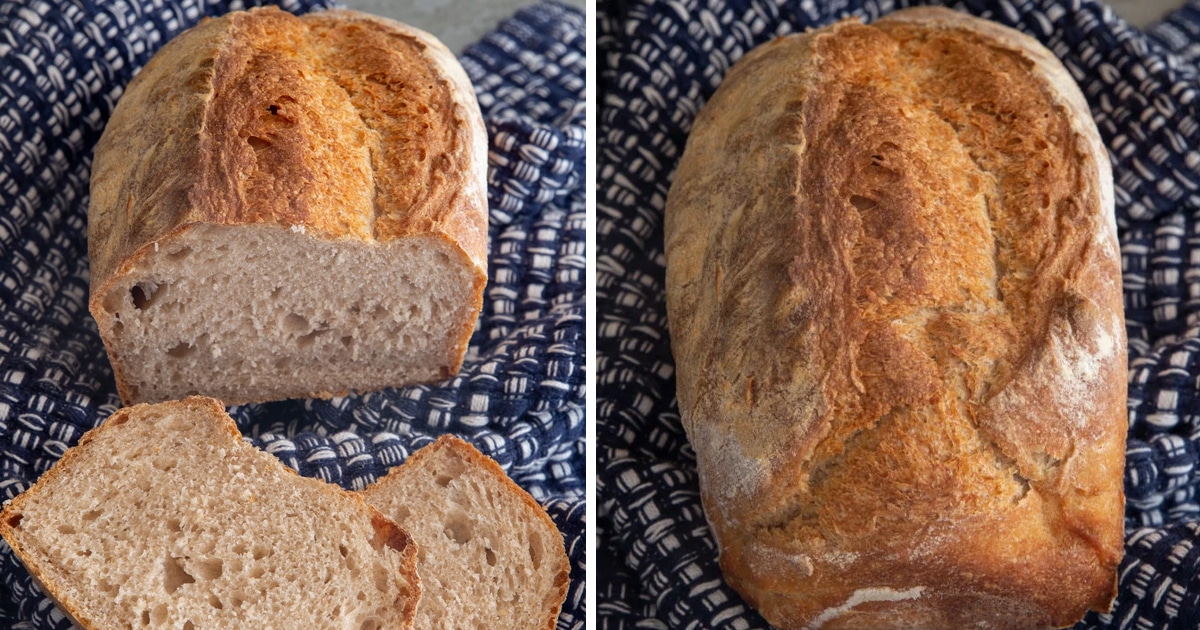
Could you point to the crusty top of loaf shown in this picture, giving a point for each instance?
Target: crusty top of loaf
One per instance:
(338, 123)
(895, 303)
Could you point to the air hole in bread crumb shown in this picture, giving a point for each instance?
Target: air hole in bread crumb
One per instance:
(490, 555)
(158, 615)
(370, 624)
(210, 569)
(215, 601)
(294, 323)
(863, 203)
(343, 550)
(283, 363)
(144, 295)
(257, 571)
(458, 527)
(258, 144)
(237, 601)
(260, 552)
(240, 548)
(187, 625)
(66, 529)
(275, 293)
(181, 350)
(145, 617)
(91, 515)
(305, 341)
(180, 254)
(347, 340)
(108, 588)
(117, 327)
(174, 575)
(451, 469)
(535, 548)
(381, 579)
(401, 514)
(174, 525)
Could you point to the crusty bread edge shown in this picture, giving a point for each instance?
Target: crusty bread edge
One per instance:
(387, 531)
(464, 449)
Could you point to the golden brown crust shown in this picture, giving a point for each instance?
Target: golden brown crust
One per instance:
(386, 531)
(468, 452)
(894, 292)
(346, 125)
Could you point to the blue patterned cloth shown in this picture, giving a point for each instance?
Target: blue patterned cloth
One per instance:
(519, 397)
(659, 61)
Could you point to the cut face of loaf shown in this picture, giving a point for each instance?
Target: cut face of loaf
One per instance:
(286, 207)
(163, 518)
(490, 557)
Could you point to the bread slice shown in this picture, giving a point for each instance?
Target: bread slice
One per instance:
(286, 207)
(163, 518)
(490, 557)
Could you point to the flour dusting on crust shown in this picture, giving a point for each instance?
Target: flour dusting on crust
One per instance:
(865, 596)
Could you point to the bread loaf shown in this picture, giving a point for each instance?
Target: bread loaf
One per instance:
(490, 555)
(286, 207)
(163, 518)
(894, 295)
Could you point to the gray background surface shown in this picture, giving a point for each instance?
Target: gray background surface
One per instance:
(458, 23)
(1142, 12)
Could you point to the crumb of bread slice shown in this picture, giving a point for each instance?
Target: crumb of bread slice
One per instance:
(490, 557)
(164, 518)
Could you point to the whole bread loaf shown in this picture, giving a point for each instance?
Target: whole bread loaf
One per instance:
(490, 555)
(894, 294)
(286, 207)
(163, 518)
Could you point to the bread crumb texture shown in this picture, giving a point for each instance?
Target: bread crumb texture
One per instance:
(896, 311)
(164, 518)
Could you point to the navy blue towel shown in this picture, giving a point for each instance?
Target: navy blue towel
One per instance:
(519, 397)
(659, 61)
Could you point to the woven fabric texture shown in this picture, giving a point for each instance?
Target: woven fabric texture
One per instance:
(519, 397)
(659, 62)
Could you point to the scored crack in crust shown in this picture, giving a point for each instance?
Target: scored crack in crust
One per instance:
(895, 302)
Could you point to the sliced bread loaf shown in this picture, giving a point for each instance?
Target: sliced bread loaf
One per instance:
(490, 557)
(164, 518)
(287, 206)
